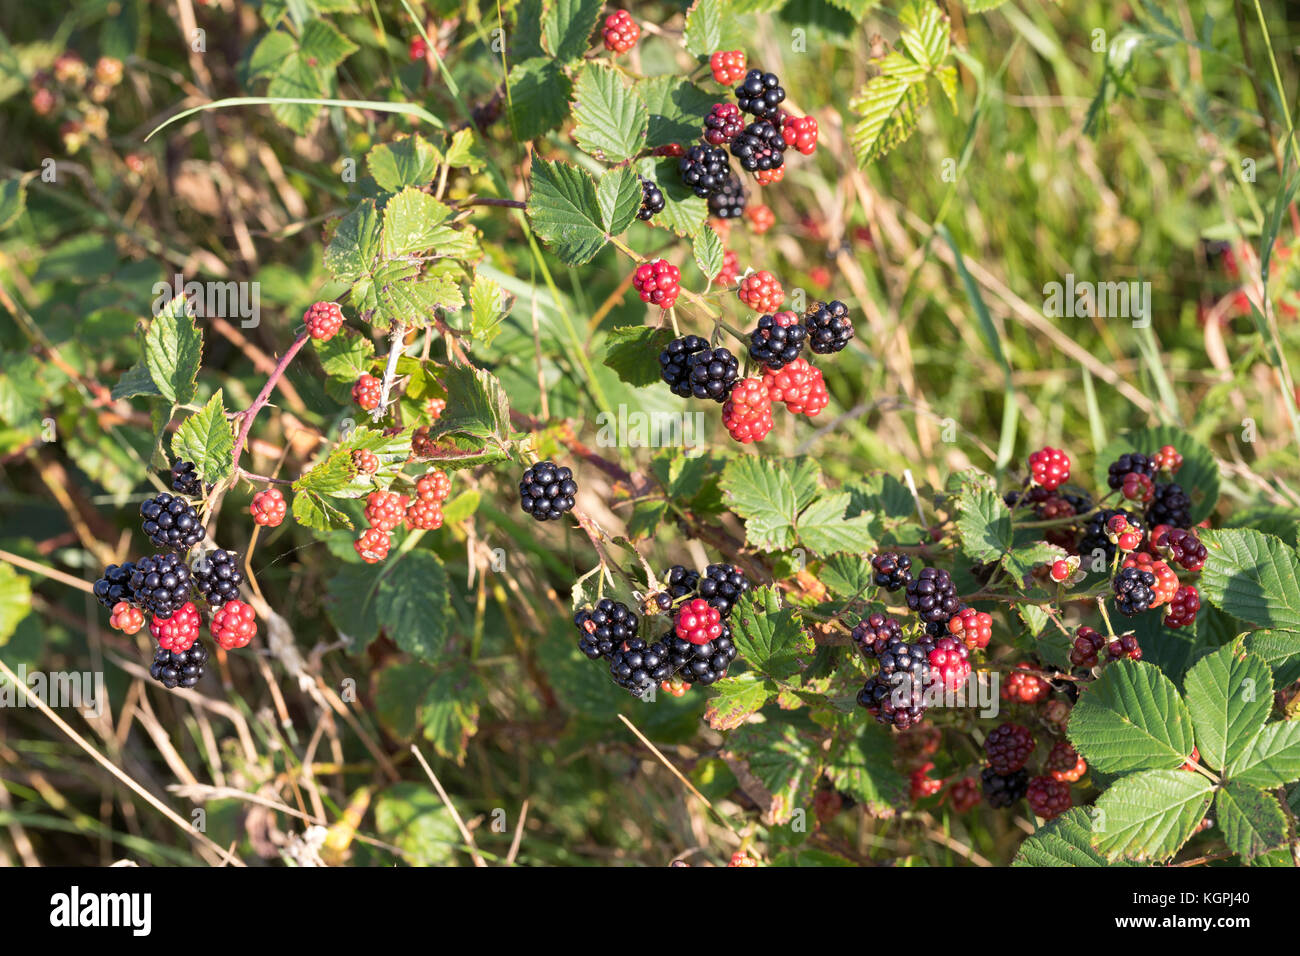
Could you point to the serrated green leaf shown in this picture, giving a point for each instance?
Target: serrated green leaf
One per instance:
(173, 349)
(15, 601)
(477, 406)
(1132, 718)
(856, 8)
(1251, 821)
(345, 357)
(1149, 816)
(450, 711)
(464, 151)
(1065, 841)
(355, 245)
(489, 306)
(406, 161)
(708, 251)
(735, 699)
(888, 108)
(329, 477)
(864, 769)
(1272, 759)
(782, 760)
(405, 597)
(296, 78)
(323, 46)
(135, 381)
(1229, 694)
(13, 201)
(413, 818)
(206, 439)
(675, 106)
(619, 195)
(703, 27)
(684, 213)
(611, 120)
(1252, 576)
(984, 524)
(462, 506)
(312, 511)
(645, 518)
(847, 575)
(1280, 650)
(768, 636)
(567, 26)
(272, 50)
(764, 495)
(538, 98)
(823, 527)
(564, 211)
(633, 352)
(413, 222)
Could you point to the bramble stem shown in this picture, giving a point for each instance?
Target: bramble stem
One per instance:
(246, 421)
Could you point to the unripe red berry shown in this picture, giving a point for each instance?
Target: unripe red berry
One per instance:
(761, 291)
(761, 218)
(126, 618)
(658, 283)
(974, 628)
(268, 508)
(728, 66)
(433, 486)
(620, 32)
(425, 514)
(385, 509)
(178, 632)
(372, 545)
(747, 413)
(367, 392)
(234, 624)
(1049, 468)
(323, 320)
(697, 622)
(800, 133)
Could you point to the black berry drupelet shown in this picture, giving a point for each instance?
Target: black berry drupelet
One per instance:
(681, 581)
(637, 666)
(722, 586)
(777, 341)
(933, 597)
(704, 170)
(702, 663)
(760, 94)
(115, 585)
(674, 363)
(873, 635)
(652, 200)
(183, 669)
(893, 570)
(185, 479)
(171, 522)
(1002, 790)
(546, 491)
(729, 201)
(1170, 506)
(1133, 590)
(829, 327)
(1126, 463)
(759, 146)
(605, 627)
(218, 577)
(712, 373)
(161, 583)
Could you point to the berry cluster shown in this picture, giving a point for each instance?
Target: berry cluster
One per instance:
(546, 491)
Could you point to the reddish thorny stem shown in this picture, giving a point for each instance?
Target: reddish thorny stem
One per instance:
(246, 421)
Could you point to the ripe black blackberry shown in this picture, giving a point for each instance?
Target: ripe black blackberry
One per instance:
(1003, 790)
(681, 581)
(161, 583)
(171, 522)
(933, 596)
(876, 633)
(760, 94)
(218, 577)
(185, 479)
(115, 585)
(605, 627)
(759, 146)
(829, 327)
(1133, 590)
(1096, 539)
(777, 341)
(712, 373)
(184, 669)
(1126, 463)
(895, 699)
(722, 124)
(638, 666)
(652, 200)
(674, 363)
(702, 663)
(546, 491)
(704, 170)
(722, 586)
(1170, 506)
(893, 570)
(729, 201)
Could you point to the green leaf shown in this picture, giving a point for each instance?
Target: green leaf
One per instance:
(763, 494)
(619, 195)
(538, 98)
(856, 8)
(633, 352)
(567, 27)
(464, 152)
(347, 356)
(1229, 694)
(412, 817)
(847, 576)
(1132, 719)
(398, 692)
(399, 293)
(703, 27)
(207, 439)
(1149, 816)
(15, 601)
(1198, 476)
(769, 637)
(406, 161)
(611, 119)
(708, 251)
(778, 763)
(736, 699)
(564, 211)
(329, 477)
(888, 108)
(323, 46)
(1272, 759)
(1280, 650)
(675, 106)
(451, 710)
(823, 527)
(13, 201)
(684, 213)
(1065, 841)
(476, 405)
(297, 79)
(864, 769)
(405, 597)
(135, 381)
(413, 222)
(1251, 821)
(312, 511)
(355, 245)
(489, 306)
(1252, 576)
(984, 524)
(172, 351)
(462, 506)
